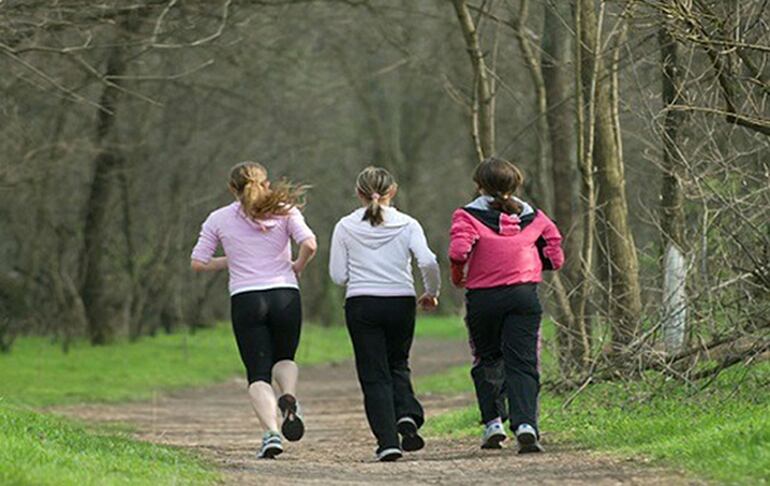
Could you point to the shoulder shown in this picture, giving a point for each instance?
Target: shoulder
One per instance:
(542, 217)
(354, 216)
(295, 212)
(351, 218)
(222, 213)
(406, 218)
(461, 214)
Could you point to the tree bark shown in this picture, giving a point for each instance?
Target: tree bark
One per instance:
(107, 163)
(625, 294)
(559, 114)
(482, 111)
(542, 178)
(672, 200)
(584, 102)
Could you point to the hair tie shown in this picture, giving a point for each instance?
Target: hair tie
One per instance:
(375, 196)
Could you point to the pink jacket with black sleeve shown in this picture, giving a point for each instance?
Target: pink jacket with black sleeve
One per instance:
(489, 248)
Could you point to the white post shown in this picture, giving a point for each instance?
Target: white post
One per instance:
(674, 299)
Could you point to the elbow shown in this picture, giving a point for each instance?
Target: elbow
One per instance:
(197, 266)
(555, 259)
(458, 253)
(338, 279)
(310, 245)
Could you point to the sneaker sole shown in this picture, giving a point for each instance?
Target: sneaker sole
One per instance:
(390, 457)
(494, 442)
(292, 428)
(271, 452)
(531, 449)
(528, 444)
(410, 439)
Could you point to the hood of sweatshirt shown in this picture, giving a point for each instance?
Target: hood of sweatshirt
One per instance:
(394, 223)
(500, 222)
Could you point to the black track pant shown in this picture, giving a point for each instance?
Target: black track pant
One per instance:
(267, 326)
(382, 329)
(504, 327)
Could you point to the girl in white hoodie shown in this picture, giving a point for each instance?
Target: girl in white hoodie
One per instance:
(371, 254)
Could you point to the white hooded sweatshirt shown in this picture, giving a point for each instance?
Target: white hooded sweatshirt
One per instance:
(377, 260)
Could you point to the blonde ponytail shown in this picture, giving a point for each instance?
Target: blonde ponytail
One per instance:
(249, 183)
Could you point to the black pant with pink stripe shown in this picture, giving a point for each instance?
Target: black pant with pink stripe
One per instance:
(504, 328)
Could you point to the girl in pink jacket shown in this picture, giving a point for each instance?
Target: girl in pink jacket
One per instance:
(499, 248)
(255, 233)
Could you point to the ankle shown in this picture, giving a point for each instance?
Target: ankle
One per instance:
(494, 421)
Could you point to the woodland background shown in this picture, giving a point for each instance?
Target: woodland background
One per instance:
(642, 127)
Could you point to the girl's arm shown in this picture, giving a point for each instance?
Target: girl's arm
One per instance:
(551, 250)
(202, 259)
(463, 236)
(301, 233)
(427, 263)
(307, 250)
(213, 265)
(338, 258)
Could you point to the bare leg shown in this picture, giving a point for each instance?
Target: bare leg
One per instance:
(264, 403)
(285, 375)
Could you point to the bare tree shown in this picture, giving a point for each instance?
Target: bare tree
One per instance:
(482, 107)
(621, 257)
(672, 197)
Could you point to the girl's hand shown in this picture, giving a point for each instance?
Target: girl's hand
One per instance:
(298, 267)
(428, 302)
(458, 274)
(307, 250)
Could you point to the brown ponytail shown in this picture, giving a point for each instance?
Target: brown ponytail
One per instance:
(372, 184)
(500, 179)
(249, 183)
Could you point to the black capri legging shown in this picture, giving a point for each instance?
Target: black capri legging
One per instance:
(267, 326)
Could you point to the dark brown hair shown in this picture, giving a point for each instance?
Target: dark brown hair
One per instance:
(499, 179)
(372, 184)
(248, 181)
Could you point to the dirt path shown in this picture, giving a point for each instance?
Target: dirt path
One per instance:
(338, 447)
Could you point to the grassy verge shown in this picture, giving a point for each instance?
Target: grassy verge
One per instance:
(38, 373)
(722, 432)
(41, 449)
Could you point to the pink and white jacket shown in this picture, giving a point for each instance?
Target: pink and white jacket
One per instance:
(501, 249)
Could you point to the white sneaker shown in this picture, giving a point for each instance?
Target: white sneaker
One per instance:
(271, 446)
(494, 436)
(526, 436)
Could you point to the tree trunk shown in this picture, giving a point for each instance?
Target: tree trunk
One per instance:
(543, 175)
(555, 56)
(107, 163)
(672, 201)
(625, 295)
(584, 101)
(482, 111)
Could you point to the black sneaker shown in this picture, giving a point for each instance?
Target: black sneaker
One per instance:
(410, 438)
(389, 454)
(292, 428)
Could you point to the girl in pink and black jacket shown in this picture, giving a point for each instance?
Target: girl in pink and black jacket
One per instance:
(499, 248)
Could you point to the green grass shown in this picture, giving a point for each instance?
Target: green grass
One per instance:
(38, 373)
(722, 432)
(42, 449)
